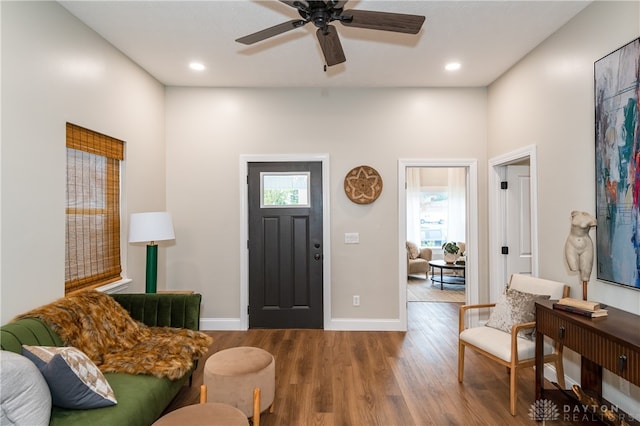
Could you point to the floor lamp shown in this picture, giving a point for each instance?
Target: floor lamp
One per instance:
(149, 228)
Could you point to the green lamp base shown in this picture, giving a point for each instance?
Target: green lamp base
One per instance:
(152, 268)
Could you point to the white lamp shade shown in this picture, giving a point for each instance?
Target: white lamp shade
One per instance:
(151, 226)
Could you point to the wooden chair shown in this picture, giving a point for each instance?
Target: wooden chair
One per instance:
(507, 348)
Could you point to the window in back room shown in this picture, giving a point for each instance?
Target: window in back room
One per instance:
(436, 205)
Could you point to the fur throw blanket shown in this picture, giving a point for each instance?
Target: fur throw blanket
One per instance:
(100, 327)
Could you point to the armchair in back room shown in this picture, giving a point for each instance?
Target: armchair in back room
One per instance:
(418, 259)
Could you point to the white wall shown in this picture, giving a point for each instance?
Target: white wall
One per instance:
(209, 129)
(54, 70)
(547, 100)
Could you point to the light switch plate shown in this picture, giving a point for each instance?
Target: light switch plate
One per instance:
(351, 238)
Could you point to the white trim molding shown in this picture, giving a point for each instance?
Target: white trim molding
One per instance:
(221, 324)
(497, 220)
(365, 324)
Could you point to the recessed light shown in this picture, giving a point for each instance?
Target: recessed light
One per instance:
(452, 66)
(196, 66)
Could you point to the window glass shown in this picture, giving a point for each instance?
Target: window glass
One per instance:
(434, 209)
(284, 189)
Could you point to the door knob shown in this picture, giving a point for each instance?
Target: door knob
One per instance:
(316, 256)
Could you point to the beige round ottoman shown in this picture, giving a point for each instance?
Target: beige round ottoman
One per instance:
(209, 414)
(233, 375)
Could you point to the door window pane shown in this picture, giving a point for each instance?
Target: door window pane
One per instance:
(290, 189)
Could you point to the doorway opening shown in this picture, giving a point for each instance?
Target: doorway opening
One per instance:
(436, 215)
(469, 233)
(513, 220)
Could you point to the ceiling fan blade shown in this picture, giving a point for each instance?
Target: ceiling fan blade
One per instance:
(300, 4)
(337, 4)
(272, 31)
(385, 21)
(330, 45)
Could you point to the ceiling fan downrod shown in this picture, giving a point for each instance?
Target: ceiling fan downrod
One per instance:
(320, 18)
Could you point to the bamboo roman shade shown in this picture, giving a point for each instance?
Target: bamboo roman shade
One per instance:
(92, 209)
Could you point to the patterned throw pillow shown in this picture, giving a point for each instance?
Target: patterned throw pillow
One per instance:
(414, 251)
(74, 381)
(515, 307)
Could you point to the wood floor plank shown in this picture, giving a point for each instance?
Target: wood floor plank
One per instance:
(379, 378)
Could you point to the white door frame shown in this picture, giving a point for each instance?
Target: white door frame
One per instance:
(497, 220)
(472, 226)
(244, 229)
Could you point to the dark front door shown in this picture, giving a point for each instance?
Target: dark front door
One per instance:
(285, 245)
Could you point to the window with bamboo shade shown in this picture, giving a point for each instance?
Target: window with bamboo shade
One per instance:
(92, 255)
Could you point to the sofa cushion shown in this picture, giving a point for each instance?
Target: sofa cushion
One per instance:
(413, 250)
(142, 399)
(514, 307)
(25, 397)
(74, 380)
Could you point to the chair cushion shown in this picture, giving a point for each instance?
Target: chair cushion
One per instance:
(417, 266)
(413, 250)
(529, 284)
(515, 307)
(498, 343)
(74, 380)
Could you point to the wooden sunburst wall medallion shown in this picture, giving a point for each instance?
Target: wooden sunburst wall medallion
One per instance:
(363, 185)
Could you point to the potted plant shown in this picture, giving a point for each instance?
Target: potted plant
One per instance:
(451, 251)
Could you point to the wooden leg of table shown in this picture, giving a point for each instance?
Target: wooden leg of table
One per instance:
(539, 364)
(591, 377)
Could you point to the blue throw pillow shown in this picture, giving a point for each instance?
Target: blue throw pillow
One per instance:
(74, 380)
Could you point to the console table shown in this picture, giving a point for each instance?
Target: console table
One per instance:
(611, 342)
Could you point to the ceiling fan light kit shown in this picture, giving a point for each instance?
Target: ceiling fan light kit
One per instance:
(322, 13)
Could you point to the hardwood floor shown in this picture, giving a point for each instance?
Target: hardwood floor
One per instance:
(379, 378)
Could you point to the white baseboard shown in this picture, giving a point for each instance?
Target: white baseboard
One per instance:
(358, 324)
(341, 324)
(550, 375)
(215, 324)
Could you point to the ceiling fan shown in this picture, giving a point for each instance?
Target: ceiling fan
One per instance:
(321, 13)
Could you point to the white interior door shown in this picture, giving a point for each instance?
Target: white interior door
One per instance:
(518, 218)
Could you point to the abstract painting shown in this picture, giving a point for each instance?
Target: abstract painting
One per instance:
(617, 132)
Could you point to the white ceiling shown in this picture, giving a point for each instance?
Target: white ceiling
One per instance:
(163, 37)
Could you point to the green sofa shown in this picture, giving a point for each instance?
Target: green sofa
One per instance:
(141, 398)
